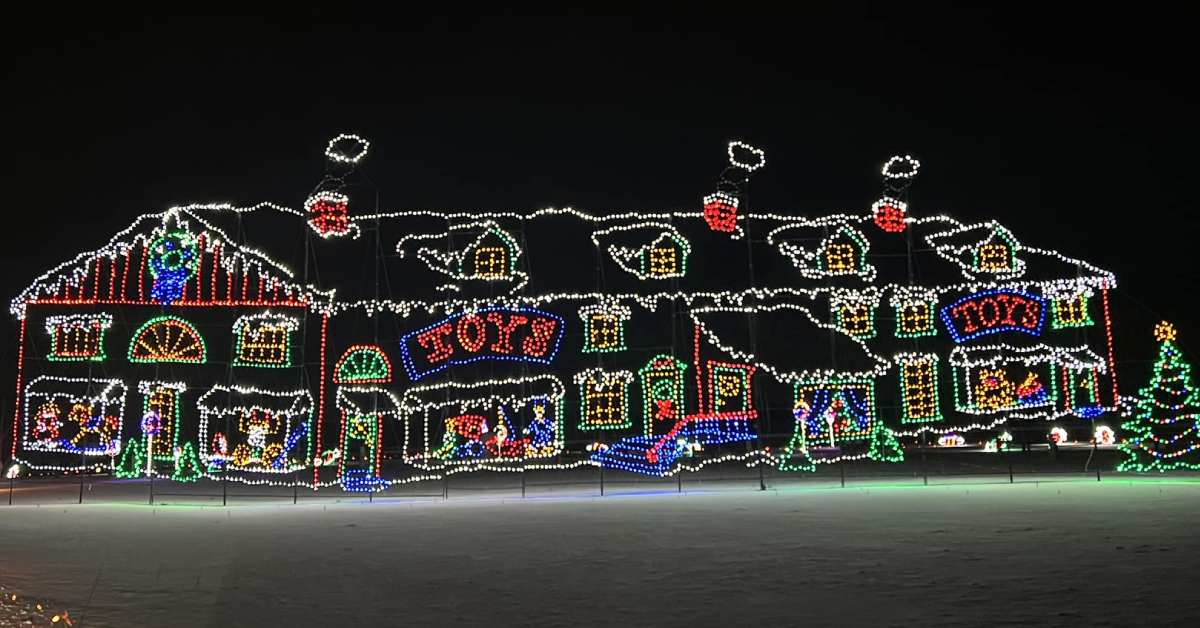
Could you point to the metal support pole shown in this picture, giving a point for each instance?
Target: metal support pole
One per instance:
(843, 469)
(224, 488)
(11, 480)
(602, 480)
(151, 489)
(1010, 473)
(679, 480)
(522, 483)
(82, 462)
(445, 485)
(295, 489)
(762, 482)
(1097, 474)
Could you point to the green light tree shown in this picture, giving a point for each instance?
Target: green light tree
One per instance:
(133, 460)
(187, 465)
(884, 446)
(1163, 430)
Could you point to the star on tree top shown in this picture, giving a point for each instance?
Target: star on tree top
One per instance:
(1165, 332)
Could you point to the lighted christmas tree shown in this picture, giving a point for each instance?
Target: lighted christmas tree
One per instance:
(1163, 430)
(884, 446)
(187, 465)
(133, 460)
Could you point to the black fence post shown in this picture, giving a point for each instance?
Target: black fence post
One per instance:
(522, 482)
(1010, 472)
(445, 484)
(152, 489)
(11, 481)
(224, 488)
(295, 488)
(602, 480)
(679, 480)
(762, 481)
(843, 469)
(82, 463)
(1097, 474)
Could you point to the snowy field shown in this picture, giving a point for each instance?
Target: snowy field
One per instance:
(1056, 552)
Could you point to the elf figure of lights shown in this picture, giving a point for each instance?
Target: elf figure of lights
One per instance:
(172, 262)
(1163, 430)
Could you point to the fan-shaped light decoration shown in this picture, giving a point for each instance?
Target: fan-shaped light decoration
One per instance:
(167, 339)
(363, 364)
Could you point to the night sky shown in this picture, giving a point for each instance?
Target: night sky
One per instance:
(1075, 130)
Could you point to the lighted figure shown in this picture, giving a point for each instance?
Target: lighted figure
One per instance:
(540, 432)
(101, 425)
(1031, 391)
(995, 391)
(151, 427)
(220, 446)
(1059, 435)
(172, 260)
(462, 438)
(831, 418)
(46, 427)
(795, 456)
(497, 441)
(1104, 435)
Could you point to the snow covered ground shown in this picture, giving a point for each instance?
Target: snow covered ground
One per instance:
(1057, 552)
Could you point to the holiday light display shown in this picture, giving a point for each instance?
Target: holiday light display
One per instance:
(161, 400)
(604, 327)
(918, 387)
(172, 263)
(604, 399)
(1164, 427)
(992, 312)
(363, 364)
(263, 340)
(255, 430)
(524, 335)
(480, 324)
(721, 207)
(328, 213)
(167, 339)
(77, 337)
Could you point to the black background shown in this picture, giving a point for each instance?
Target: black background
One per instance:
(1075, 129)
